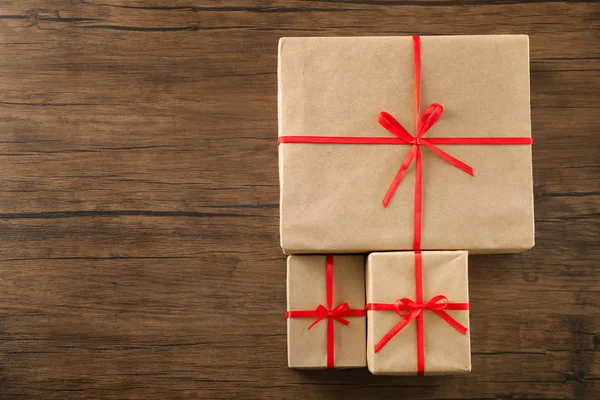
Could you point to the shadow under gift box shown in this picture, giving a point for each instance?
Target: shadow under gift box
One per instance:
(316, 286)
(331, 194)
(393, 301)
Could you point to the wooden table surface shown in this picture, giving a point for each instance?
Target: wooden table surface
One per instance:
(139, 254)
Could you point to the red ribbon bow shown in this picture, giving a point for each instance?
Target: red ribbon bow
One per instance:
(413, 310)
(322, 312)
(429, 118)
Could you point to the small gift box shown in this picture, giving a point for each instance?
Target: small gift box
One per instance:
(417, 311)
(367, 161)
(326, 312)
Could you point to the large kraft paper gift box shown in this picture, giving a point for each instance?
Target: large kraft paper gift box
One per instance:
(326, 312)
(418, 313)
(354, 179)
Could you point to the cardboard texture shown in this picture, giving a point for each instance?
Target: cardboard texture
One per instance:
(306, 289)
(331, 195)
(391, 276)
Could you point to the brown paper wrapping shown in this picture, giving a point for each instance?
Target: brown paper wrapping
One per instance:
(331, 195)
(306, 289)
(391, 276)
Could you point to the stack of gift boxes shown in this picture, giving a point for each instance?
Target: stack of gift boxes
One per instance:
(397, 157)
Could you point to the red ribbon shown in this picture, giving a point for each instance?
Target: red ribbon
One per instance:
(322, 312)
(413, 310)
(423, 123)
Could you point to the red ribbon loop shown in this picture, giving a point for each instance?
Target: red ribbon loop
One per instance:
(434, 303)
(392, 125)
(429, 118)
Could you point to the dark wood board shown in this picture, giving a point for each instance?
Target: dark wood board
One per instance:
(139, 254)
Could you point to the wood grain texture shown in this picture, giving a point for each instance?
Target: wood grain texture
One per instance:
(139, 253)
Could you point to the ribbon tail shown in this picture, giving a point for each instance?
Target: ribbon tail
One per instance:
(398, 178)
(451, 321)
(316, 321)
(448, 158)
(341, 320)
(397, 328)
